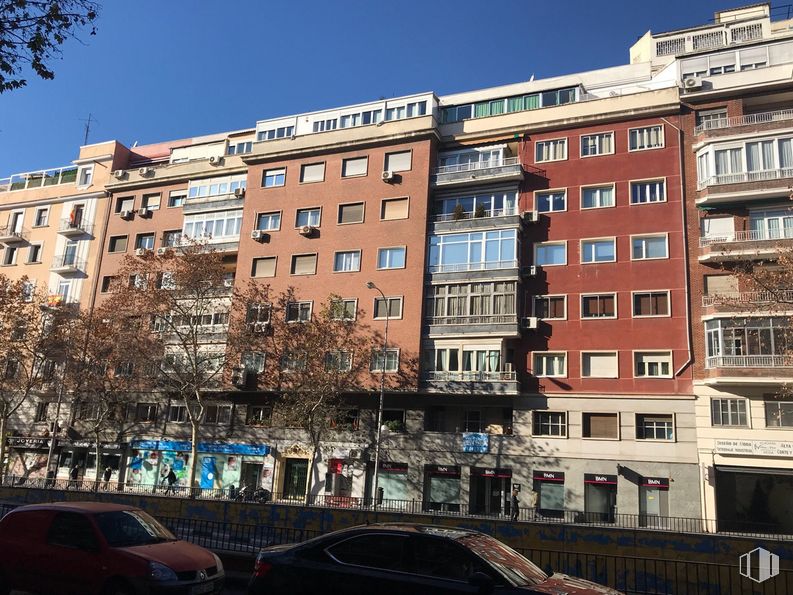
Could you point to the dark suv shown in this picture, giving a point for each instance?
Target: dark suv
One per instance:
(88, 548)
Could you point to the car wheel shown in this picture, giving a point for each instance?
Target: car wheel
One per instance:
(118, 587)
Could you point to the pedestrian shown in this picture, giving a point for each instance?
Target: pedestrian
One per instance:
(171, 479)
(514, 505)
(107, 475)
(531, 499)
(73, 475)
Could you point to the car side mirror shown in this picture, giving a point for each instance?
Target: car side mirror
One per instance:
(483, 582)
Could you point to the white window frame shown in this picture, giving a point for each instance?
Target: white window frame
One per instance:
(599, 204)
(594, 294)
(534, 366)
(550, 191)
(304, 209)
(299, 303)
(14, 252)
(541, 143)
(259, 213)
(631, 183)
(616, 354)
(46, 217)
(535, 425)
(345, 252)
(176, 194)
(534, 299)
(637, 426)
(668, 303)
(145, 201)
(40, 246)
(598, 136)
(583, 241)
(746, 410)
(542, 244)
(379, 352)
(388, 298)
(275, 172)
(643, 352)
(344, 301)
(404, 257)
(642, 236)
(88, 172)
(647, 128)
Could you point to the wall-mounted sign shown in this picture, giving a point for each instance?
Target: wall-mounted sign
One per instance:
(755, 448)
(391, 467)
(216, 447)
(490, 472)
(476, 442)
(28, 442)
(662, 483)
(600, 478)
(453, 470)
(548, 476)
(89, 444)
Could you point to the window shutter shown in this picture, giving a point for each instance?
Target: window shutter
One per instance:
(314, 172)
(601, 425)
(396, 208)
(599, 365)
(720, 284)
(264, 267)
(351, 213)
(305, 264)
(355, 167)
(398, 161)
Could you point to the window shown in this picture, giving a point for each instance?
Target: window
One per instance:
(650, 137)
(343, 309)
(728, 412)
(239, 148)
(307, 217)
(354, 167)
(391, 360)
(323, 125)
(293, 361)
(550, 254)
(273, 178)
(649, 247)
(107, 283)
(650, 303)
(550, 307)
(655, 426)
(259, 415)
(125, 203)
(394, 208)
(176, 198)
(351, 213)
(177, 413)
(85, 175)
(146, 412)
(151, 202)
(275, 133)
(171, 238)
(778, 413)
(304, 264)
(401, 161)
(599, 306)
(550, 202)
(600, 365)
(646, 192)
(473, 251)
(598, 251)
(391, 258)
(10, 256)
(549, 423)
(268, 221)
(217, 225)
(472, 420)
(42, 216)
(144, 241)
(712, 118)
(253, 361)
(550, 365)
(28, 290)
(551, 150)
(312, 172)
(42, 411)
(338, 361)
(298, 311)
(347, 262)
(264, 267)
(597, 197)
(653, 364)
(600, 425)
(391, 308)
(217, 414)
(597, 144)
(34, 253)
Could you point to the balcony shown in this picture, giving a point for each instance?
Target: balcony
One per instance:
(748, 370)
(747, 301)
(9, 235)
(67, 263)
(743, 245)
(476, 172)
(477, 220)
(497, 269)
(749, 361)
(503, 383)
(745, 177)
(503, 325)
(229, 200)
(71, 228)
(39, 179)
(762, 121)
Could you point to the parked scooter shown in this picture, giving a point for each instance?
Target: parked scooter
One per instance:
(250, 494)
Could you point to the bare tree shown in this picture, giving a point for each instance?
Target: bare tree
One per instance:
(32, 32)
(33, 339)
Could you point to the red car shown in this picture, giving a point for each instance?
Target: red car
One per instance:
(92, 548)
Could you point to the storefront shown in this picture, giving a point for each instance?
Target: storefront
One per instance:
(82, 454)
(490, 490)
(549, 486)
(220, 465)
(754, 499)
(654, 501)
(27, 457)
(442, 488)
(600, 497)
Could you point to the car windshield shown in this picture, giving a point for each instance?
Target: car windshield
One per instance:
(510, 563)
(126, 528)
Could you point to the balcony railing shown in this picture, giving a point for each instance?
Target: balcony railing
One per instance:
(9, 235)
(747, 299)
(473, 266)
(39, 179)
(434, 376)
(473, 214)
(69, 227)
(747, 120)
(746, 176)
(752, 235)
(749, 361)
(478, 165)
(67, 262)
(481, 319)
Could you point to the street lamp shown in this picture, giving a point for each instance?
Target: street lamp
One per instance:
(375, 486)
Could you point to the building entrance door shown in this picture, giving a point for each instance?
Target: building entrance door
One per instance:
(251, 474)
(489, 490)
(600, 498)
(295, 475)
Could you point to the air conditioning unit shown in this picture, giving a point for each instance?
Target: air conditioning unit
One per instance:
(162, 250)
(215, 160)
(307, 230)
(693, 83)
(530, 271)
(259, 235)
(144, 212)
(239, 192)
(531, 216)
(145, 171)
(387, 176)
(531, 322)
(125, 215)
(119, 173)
(140, 251)
(260, 327)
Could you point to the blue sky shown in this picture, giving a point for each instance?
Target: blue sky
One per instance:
(168, 69)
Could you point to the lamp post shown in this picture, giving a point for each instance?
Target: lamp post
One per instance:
(375, 485)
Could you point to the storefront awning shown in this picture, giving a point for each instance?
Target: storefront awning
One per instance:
(213, 447)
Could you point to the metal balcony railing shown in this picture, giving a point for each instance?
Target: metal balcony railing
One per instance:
(746, 176)
(68, 262)
(9, 234)
(749, 361)
(747, 299)
(473, 215)
(473, 266)
(506, 162)
(747, 120)
(68, 226)
(435, 376)
(39, 179)
(480, 319)
(751, 235)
